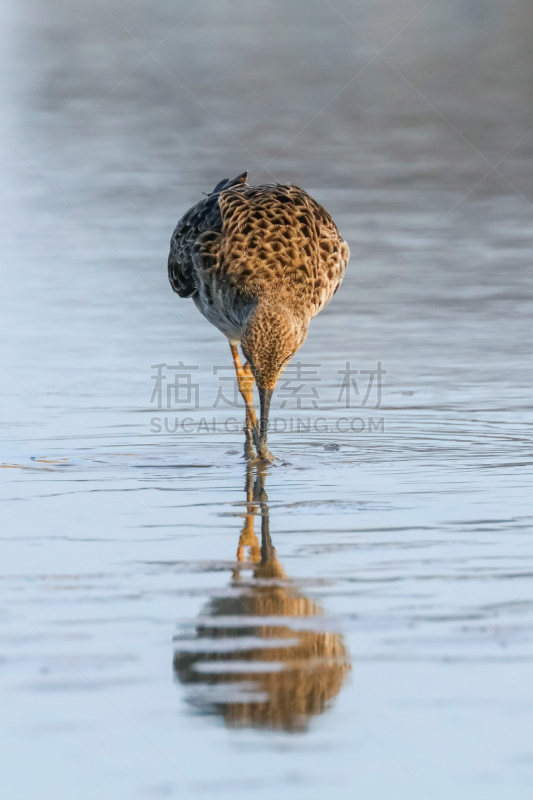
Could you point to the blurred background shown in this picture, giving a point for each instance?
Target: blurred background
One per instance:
(403, 663)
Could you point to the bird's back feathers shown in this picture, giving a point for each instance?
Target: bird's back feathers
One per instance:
(254, 240)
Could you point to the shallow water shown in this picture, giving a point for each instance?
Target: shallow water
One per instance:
(360, 623)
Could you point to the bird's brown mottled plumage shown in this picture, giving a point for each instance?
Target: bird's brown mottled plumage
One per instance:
(252, 239)
(259, 262)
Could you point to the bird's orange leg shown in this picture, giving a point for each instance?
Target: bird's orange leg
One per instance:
(245, 380)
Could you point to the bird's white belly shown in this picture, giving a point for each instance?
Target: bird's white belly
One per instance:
(221, 314)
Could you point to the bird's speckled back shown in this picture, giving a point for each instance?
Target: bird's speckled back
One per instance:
(251, 241)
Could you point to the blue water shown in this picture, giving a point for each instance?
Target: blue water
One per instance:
(362, 624)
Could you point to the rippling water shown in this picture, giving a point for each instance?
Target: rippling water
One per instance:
(358, 620)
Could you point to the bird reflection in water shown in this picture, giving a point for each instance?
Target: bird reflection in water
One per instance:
(243, 662)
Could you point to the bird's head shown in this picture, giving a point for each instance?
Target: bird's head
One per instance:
(271, 337)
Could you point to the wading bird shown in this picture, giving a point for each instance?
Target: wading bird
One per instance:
(259, 262)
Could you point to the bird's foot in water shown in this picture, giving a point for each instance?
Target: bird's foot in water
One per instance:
(263, 454)
(262, 461)
(266, 456)
(249, 451)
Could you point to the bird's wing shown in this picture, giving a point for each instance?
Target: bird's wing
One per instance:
(333, 257)
(196, 240)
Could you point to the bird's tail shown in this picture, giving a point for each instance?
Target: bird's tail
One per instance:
(227, 183)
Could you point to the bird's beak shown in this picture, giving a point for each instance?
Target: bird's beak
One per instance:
(265, 396)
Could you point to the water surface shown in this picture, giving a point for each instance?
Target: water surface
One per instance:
(358, 621)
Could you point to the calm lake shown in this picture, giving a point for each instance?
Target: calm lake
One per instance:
(355, 621)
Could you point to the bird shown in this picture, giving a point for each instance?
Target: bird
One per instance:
(259, 262)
